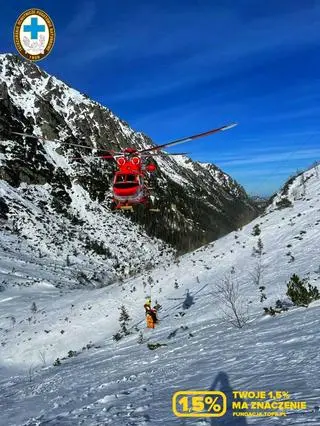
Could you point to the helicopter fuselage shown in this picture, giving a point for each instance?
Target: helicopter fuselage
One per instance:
(129, 183)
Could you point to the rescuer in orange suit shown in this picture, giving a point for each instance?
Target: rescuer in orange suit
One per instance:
(151, 314)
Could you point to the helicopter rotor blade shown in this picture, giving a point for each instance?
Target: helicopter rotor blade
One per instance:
(27, 135)
(189, 138)
(148, 151)
(104, 157)
(164, 154)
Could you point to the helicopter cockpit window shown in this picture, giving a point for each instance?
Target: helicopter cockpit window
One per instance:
(126, 181)
(120, 178)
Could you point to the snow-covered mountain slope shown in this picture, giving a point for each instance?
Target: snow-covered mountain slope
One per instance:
(296, 188)
(124, 383)
(198, 202)
(80, 237)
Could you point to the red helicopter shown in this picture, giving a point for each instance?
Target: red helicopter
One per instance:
(130, 182)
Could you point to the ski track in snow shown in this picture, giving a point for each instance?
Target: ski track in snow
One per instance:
(125, 383)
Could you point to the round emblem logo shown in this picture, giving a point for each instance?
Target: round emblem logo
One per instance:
(34, 34)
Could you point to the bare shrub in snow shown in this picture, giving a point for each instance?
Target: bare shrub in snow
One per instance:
(234, 308)
(303, 184)
(117, 336)
(281, 306)
(30, 373)
(295, 193)
(140, 338)
(283, 203)
(150, 281)
(34, 308)
(82, 278)
(13, 320)
(292, 258)
(258, 251)
(256, 276)
(42, 356)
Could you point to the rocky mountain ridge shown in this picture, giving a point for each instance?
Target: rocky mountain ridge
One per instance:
(42, 187)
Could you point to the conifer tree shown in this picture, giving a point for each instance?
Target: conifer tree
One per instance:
(124, 320)
(301, 291)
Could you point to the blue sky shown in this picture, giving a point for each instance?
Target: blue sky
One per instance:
(174, 68)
